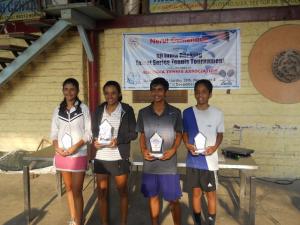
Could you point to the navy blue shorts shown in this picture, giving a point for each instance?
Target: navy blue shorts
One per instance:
(204, 179)
(168, 185)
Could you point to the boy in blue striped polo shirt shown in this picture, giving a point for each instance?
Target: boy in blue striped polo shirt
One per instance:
(202, 168)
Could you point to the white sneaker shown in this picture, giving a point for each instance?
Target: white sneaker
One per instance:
(71, 222)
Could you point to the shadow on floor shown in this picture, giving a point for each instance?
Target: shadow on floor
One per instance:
(296, 202)
(240, 215)
(138, 212)
(20, 218)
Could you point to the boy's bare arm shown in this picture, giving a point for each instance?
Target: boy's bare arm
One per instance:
(170, 152)
(143, 146)
(191, 148)
(211, 149)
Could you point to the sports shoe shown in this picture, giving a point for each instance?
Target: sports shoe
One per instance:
(71, 222)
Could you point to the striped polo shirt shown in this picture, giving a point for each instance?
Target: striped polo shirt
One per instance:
(209, 122)
(111, 154)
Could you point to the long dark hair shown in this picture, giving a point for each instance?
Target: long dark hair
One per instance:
(74, 82)
(116, 85)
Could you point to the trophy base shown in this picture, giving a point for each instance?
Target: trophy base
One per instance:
(104, 142)
(66, 141)
(66, 147)
(157, 155)
(200, 151)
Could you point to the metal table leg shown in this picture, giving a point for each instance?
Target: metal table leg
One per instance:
(252, 201)
(243, 183)
(94, 175)
(132, 176)
(94, 181)
(26, 187)
(59, 183)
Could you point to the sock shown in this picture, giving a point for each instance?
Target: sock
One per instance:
(211, 219)
(197, 217)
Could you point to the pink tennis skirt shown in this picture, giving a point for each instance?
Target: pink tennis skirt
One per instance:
(72, 164)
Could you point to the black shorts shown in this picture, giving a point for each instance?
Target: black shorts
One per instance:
(114, 168)
(204, 179)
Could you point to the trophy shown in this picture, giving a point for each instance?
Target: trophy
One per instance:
(66, 141)
(156, 145)
(200, 142)
(105, 133)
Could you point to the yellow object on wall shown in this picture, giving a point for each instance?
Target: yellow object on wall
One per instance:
(225, 4)
(194, 5)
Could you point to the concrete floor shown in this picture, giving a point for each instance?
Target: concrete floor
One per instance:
(276, 204)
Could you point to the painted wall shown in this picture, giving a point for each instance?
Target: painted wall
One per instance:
(28, 100)
(251, 120)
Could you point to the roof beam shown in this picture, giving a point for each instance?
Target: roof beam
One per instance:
(204, 17)
(77, 18)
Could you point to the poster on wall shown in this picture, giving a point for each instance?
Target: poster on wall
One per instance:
(13, 10)
(182, 59)
(225, 4)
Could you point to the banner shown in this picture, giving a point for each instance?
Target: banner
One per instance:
(182, 59)
(233, 4)
(19, 10)
(157, 6)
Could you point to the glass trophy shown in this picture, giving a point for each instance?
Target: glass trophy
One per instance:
(105, 133)
(66, 141)
(200, 142)
(156, 142)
